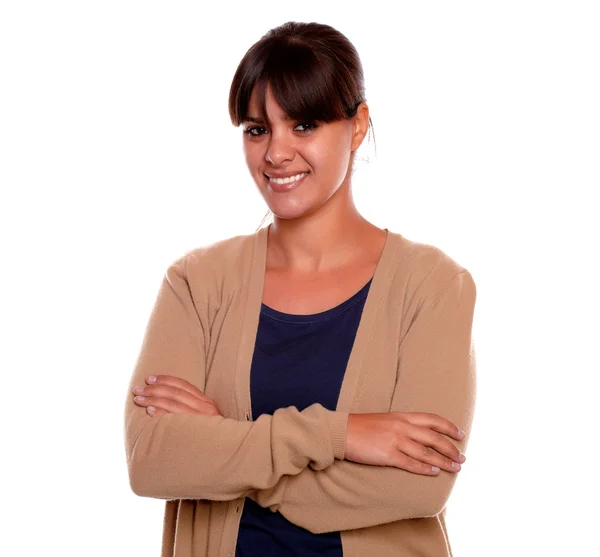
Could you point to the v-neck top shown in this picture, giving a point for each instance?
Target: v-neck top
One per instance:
(413, 352)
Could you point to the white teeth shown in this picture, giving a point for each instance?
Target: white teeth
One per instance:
(288, 180)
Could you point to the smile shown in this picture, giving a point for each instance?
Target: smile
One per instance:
(281, 185)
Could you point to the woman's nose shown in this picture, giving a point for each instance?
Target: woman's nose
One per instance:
(279, 150)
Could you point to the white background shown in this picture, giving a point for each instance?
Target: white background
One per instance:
(117, 155)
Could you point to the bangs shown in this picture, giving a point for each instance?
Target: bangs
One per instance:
(306, 87)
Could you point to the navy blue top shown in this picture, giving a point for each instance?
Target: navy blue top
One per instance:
(298, 360)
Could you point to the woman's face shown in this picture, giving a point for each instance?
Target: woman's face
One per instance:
(288, 148)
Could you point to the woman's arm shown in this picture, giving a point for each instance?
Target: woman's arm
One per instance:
(187, 456)
(436, 373)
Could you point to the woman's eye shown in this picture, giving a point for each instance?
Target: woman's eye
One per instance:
(250, 131)
(308, 126)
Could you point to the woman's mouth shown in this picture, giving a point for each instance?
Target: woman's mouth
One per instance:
(282, 185)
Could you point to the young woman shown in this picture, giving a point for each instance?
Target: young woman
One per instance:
(305, 389)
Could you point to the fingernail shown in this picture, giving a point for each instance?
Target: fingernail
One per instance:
(151, 379)
(150, 409)
(140, 398)
(461, 433)
(138, 390)
(462, 458)
(435, 469)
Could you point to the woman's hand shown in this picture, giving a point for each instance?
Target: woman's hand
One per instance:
(165, 394)
(408, 440)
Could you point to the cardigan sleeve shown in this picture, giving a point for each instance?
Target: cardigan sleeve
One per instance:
(188, 456)
(436, 373)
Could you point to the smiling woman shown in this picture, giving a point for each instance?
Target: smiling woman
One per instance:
(310, 378)
(304, 85)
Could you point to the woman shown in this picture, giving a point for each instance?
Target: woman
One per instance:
(303, 386)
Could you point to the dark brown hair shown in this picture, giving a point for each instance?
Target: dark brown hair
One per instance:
(314, 71)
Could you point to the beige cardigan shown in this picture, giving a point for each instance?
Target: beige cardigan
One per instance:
(413, 352)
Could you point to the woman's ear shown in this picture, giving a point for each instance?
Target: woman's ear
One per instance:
(360, 125)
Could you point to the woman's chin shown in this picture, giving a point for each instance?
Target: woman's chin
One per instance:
(289, 211)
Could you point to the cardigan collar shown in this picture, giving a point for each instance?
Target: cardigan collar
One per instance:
(374, 304)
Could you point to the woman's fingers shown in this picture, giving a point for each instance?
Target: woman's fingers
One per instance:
(433, 421)
(428, 438)
(173, 406)
(404, 461)
(177, 382)
(153, 411)
(174, 395)
(428, 457)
